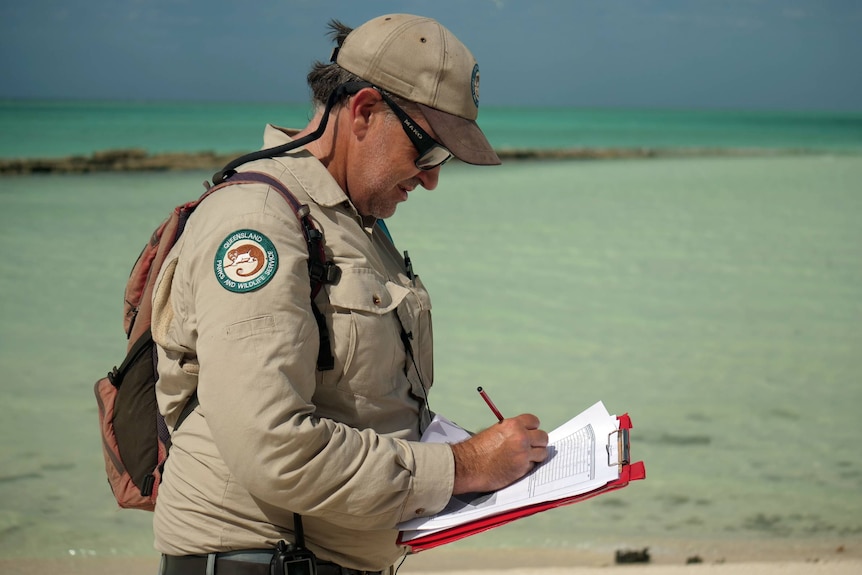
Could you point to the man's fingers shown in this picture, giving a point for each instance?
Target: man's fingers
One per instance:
(528, 420)
(538, 454)
(538, 438)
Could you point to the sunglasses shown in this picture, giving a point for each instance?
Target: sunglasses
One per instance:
(431, 152)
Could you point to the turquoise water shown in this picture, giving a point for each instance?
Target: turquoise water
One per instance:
(715, 300)
(718, 301)
(49, 129)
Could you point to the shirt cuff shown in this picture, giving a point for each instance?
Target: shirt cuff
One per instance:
(433, 480)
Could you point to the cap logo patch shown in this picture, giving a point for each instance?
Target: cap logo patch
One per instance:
(245, 261)
(474, 85)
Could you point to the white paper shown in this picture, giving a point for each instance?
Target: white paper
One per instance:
(441, 430)
(582, 457)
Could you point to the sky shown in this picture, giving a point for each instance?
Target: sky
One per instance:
(691, 54)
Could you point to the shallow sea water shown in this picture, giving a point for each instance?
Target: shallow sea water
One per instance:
(717, 301)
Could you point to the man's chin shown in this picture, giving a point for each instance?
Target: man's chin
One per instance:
(385, 212)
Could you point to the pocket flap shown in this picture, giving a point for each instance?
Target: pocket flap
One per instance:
(365, 290)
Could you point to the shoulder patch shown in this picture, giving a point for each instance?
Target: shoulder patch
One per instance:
(245, 261)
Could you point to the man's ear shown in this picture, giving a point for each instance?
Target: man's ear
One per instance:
(362, 106)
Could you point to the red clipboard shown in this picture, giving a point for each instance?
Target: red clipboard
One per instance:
(628, 472)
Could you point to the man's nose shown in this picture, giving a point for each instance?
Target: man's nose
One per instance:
(429, 178)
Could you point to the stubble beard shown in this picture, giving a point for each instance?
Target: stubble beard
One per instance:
(382, 201)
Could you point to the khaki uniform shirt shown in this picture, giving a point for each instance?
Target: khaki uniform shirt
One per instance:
(272, 435)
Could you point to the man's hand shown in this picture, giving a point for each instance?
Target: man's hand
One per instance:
(499, 455)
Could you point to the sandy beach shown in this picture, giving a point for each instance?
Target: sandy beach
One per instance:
(778, 557)
(149, 567)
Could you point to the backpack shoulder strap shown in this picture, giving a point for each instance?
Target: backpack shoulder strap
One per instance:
(320, 270)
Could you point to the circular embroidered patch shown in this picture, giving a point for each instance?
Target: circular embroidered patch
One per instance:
(474, 84)
(245, 261)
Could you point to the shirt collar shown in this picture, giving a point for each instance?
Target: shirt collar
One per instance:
(311, 175)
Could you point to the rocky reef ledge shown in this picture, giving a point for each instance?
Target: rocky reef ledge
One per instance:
(121, 160)
(134, 159)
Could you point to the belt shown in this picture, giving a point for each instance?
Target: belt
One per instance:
(240, 563)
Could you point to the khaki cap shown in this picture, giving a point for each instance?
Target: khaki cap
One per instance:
(420, 60)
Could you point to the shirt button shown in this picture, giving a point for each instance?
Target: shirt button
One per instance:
(420, 511)
(376, 299)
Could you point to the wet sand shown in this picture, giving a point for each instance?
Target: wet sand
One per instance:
(149, 566)
(778, 557)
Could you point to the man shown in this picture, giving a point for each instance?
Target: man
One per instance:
(276, 442)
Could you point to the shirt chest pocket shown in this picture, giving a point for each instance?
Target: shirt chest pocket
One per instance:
(415, 316)
(365, 333)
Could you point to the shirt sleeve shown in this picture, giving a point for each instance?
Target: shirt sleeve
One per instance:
(257, 348)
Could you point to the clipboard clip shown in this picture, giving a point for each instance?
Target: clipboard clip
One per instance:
(623, 447)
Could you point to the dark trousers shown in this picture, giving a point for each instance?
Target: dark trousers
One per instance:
(252, 562)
